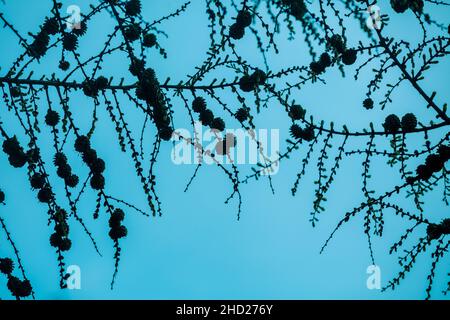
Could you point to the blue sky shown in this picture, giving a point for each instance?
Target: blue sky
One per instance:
(198, 249)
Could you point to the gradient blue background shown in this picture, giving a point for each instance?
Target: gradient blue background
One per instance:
(198, 249)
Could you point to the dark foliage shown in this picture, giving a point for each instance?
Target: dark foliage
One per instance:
(33, 100)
